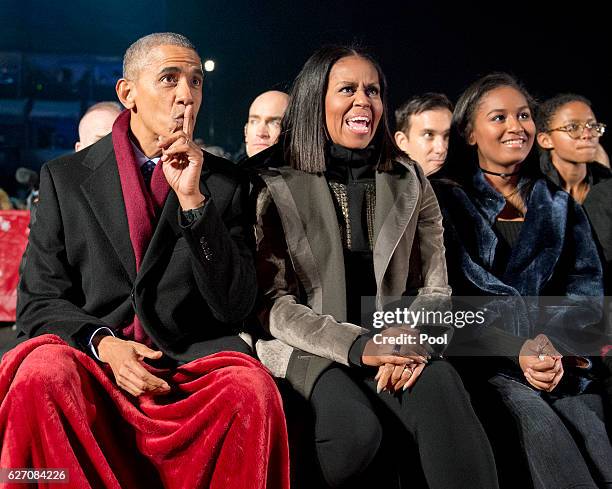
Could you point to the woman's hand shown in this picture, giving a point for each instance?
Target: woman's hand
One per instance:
(395, 377)
(392, 345)
(541, 363)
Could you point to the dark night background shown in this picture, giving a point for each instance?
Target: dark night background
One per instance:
(551, 47)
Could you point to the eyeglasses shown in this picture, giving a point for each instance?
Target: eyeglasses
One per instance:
(576, 129)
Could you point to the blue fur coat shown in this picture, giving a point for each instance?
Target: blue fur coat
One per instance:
(555, 255)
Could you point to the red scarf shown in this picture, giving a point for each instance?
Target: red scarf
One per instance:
(142, 207)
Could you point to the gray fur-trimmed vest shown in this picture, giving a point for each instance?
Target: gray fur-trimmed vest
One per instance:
(300, 253)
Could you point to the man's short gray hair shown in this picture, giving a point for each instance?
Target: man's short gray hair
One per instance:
(137, 52)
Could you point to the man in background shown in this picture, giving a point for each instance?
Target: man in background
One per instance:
(423, 128)
(96, 123)
(264, 123)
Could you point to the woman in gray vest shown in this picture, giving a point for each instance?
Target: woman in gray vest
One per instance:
(341, 215)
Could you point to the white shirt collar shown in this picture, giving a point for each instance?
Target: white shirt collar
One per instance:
(141, 158)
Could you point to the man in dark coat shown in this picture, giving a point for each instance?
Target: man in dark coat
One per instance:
(139, 259)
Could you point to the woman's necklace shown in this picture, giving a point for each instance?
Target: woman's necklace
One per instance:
(503, 175)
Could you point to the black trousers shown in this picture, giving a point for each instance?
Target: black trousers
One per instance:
(429, 432)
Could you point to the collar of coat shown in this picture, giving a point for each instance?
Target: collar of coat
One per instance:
(596, 172)
(310, 225)
(555, 255)
(108, 202)
(553, 223)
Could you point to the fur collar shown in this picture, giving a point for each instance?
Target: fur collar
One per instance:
(555, 254)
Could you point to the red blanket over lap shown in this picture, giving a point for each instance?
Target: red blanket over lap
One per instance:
(221, 427)
(14, 233)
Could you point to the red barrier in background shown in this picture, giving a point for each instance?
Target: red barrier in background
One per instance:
(13, 240)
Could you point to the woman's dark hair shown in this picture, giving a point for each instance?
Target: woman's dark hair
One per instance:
(548, 108)
(305, 134)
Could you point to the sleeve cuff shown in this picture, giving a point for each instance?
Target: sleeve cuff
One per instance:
(502, 343)
(188, 217)
(103, 331)
(356, 351)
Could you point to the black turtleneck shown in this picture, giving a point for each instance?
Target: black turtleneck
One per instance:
(344, 164)
(351, 178)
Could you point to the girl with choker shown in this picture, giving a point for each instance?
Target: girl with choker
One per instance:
(341, 215)
(509, 232)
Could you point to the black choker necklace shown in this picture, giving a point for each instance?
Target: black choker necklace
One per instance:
(503, 175)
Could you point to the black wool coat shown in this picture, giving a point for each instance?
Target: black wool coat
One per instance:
(195, 286)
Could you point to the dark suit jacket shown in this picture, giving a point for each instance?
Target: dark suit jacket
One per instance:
(195, 286)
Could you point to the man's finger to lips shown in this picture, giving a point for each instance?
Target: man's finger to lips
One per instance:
(187, 120)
